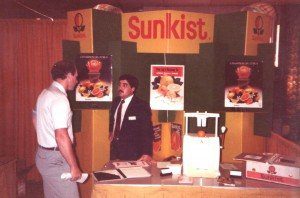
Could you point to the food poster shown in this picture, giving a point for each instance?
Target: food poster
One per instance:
(94, 77)
(176, 132)
(167, 87)
(157, 129)
(243, 84)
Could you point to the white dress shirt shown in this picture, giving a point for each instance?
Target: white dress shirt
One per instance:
(53, 112)
(124, 108)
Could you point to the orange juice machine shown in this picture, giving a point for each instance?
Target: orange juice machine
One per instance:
(201, 155)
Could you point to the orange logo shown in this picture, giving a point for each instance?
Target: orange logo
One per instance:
(259, 23)
(272, 170)
(78, 20)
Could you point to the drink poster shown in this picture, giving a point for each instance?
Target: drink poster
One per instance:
(94, 77)
(176, 133)
(167, 87)
(243, 84)
(157, 138)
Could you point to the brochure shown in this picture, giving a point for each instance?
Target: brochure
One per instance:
(134, 172)
(126, 164)
(252, 157)
(121, 173)
(107, 175)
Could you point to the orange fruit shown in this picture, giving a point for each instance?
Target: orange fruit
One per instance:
(249, 101)
(201, 133)
(245, 97)
(99, 84)
(100, 94)
(243, 71)
(96, 91)
(86, 83)
(249, 90)
(81, 89)
(230, 95)
(84, 94)
(166, 80)
(174, 87)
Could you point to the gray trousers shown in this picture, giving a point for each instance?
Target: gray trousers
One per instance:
(51, 165)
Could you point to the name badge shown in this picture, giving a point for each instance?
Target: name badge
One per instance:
(132, 118)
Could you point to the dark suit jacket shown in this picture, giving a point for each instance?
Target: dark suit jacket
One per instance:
(136, 133)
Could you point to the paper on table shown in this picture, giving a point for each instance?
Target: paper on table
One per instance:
(130, 164)
(135, 172)
(228, 166)
(106, 175)
(163, 164)
(252, 157)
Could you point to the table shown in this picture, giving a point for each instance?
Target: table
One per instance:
(168, 187)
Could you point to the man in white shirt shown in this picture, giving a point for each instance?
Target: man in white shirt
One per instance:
(52, 120)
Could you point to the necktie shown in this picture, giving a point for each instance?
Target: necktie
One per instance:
(118, 120)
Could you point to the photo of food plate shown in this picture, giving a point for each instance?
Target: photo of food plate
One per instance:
(87, 90)
(167, 86)
(250, 97)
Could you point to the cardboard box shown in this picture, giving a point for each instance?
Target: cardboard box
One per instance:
(272, 168)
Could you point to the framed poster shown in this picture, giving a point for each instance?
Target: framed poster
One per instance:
(157, 129)
(176, 134)
(94, 78)
(243, 84)
(167, 87)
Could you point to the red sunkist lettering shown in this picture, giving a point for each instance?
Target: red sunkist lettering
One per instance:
(167, 28)
(271, 177)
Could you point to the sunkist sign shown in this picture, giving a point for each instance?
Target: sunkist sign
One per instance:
(258, 30)
(167, 31)
(80, 29)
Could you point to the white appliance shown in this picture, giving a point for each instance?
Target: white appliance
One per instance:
(201, 155)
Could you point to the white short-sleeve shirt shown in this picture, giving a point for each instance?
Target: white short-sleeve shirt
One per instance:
(53, 112)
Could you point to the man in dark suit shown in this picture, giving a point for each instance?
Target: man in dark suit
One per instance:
(130, 127)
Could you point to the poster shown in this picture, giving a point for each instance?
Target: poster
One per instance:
(157, 138)
(94, 77)
(176, 133)
(243, 84)
(167, 87)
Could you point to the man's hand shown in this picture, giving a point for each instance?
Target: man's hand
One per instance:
(146, 158)
(34, 118)
(111, 136)
(76, 174)
(65, 147)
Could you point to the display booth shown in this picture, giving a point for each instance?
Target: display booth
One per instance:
(203, 44)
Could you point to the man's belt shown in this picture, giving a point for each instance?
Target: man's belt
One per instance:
(49, 148)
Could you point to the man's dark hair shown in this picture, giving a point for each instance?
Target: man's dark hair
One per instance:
(62, 68)
(132, 80)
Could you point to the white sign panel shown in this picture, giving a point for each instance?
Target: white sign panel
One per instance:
(167, 87)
